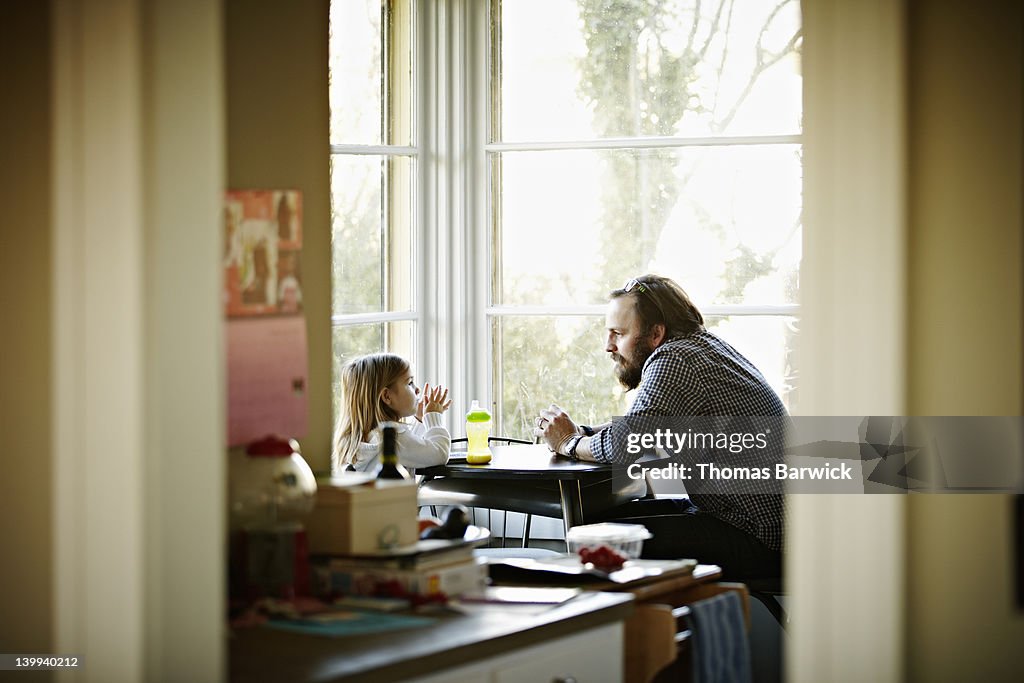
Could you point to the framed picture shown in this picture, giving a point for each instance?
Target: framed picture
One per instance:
(262, 252)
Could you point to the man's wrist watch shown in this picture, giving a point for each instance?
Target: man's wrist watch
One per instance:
(586, 430)
(571, 444)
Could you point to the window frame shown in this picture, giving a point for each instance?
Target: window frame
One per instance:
(493, 311)
(405, 278)
(455, 215)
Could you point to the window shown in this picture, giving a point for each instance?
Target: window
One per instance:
(373, 177)
(635, 137)
(615, 138)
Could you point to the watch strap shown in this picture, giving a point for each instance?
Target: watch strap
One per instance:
(574, 442)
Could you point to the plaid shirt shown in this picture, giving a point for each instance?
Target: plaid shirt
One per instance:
(701, 375)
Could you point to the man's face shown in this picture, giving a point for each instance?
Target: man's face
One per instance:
(627, 343)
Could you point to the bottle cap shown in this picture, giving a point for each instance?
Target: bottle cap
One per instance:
(387, 438)
(272, 446)
(477, 413)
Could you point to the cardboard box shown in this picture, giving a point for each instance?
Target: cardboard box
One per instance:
(362, 519)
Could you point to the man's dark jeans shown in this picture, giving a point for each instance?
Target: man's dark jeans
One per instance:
(681, 531)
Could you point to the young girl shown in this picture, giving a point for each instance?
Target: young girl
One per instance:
(379, 388)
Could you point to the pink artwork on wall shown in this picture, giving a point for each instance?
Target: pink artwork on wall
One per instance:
(262, 252)
(267, 362)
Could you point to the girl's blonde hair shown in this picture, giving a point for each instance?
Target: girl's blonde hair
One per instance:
(363, 381)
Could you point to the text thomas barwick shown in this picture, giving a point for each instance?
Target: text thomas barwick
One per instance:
(709, 471)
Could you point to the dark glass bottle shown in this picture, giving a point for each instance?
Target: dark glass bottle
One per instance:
(389, 467)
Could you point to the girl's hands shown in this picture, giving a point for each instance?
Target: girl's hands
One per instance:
(433, 400)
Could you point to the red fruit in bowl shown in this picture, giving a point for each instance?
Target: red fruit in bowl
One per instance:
(602, 557)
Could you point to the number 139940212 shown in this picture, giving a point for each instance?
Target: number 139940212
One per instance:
(16, 662)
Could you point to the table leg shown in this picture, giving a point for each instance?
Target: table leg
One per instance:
(572, 502)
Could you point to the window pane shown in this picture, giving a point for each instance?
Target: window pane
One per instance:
(350, 341)
(365, 189)
(559, 359)
(356, 71)
(607, 68)
(723, 221)
(769, 342)
(371, 54)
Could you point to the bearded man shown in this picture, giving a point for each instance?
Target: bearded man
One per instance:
(657, 339)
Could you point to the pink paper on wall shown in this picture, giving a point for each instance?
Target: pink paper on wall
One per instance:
(267, 378)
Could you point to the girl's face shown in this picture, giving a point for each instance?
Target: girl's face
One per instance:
(402, 395)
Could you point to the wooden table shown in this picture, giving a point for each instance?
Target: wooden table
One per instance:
(529, 463)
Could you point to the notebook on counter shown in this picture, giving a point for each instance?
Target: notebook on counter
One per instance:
(568, 570)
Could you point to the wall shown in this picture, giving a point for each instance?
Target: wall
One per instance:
(271, 145)
(25, 345)
(184, 170)
(278, 137)
(137, 418)
(965, 316)
(852, 350)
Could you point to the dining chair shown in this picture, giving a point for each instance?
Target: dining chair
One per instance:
(768, 592)
(492, 494)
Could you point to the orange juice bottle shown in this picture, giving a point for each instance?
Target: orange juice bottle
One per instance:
(478, 428)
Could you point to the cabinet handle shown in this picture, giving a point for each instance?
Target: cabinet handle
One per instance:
(563, 679)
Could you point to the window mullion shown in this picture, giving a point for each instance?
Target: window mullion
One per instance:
(364, 318)
(424, 66)
(454, 265)
(479, 264)
(375, 150)
(599, 309)
(643, 143)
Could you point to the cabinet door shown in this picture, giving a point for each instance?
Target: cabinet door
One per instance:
(592, 656)
(474, 673)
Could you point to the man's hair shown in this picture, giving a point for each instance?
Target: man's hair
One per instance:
(660, 300)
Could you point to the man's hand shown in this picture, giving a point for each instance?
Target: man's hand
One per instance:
(555, 426)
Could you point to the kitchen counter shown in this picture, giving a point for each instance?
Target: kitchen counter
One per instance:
(453, 641)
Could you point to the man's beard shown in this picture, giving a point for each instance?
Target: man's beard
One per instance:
(628, 372)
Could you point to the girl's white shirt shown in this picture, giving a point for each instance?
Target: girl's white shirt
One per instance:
(418, 444)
